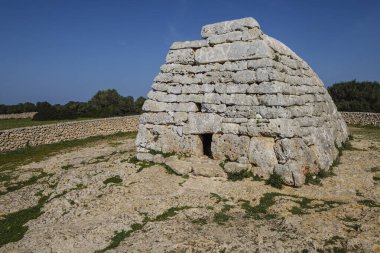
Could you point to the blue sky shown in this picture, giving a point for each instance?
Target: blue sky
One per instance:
(62, 50)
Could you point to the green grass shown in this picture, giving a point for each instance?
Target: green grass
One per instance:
(275, 180)
(238, 176)
(200, 221)
(12, 225)
(369, 203)
(18, 185)
(221, 217)
(371, 132)
(122, 235)
(12, 159)
(15, 123)
(114, 180)
(260, 211)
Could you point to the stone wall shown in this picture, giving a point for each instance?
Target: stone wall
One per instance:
(16, 138)
(24, 115)
(361, 118)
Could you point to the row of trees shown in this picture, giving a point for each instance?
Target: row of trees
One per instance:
(105, 103)
(356, 96)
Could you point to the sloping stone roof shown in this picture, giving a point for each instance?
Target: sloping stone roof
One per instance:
(262, 105)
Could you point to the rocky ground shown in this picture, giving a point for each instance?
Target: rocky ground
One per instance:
(97, 199)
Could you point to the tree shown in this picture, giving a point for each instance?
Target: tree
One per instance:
(356, 96)
(138, 104)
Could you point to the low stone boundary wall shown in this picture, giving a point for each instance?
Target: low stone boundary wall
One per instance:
(16, 138)
(361, 118)
(24, 115)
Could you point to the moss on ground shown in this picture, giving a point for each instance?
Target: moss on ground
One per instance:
(114, 180)
(122, 235)
(12, 225)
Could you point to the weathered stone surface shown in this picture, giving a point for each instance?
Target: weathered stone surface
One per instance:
(236, 167)
(228, 26)
(207, 169)
(261, 152)
(181, 56)
(244, 96)
(201, 123)
(229, 146)
(238, 50)
(180, 167)
(189, 44)
(224, 38)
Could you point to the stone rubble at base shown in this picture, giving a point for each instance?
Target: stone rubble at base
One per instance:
(262, 106)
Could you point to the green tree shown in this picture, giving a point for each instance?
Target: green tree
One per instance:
(356, 96)
(139, 104)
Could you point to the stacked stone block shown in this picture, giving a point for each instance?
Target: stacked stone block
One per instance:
(261, 104)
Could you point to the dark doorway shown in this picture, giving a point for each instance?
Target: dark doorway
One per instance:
(206, 140)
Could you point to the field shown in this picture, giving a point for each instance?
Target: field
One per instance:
(92, 196)
(15, 123)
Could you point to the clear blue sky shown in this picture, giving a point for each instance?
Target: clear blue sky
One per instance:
(62, 50)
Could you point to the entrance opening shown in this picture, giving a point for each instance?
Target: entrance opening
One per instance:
(206, 140)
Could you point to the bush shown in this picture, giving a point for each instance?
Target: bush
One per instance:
(356, 96)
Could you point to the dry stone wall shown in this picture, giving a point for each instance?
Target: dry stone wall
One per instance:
(243, 96)
(24, 115)
(16, 138)
(361, 118)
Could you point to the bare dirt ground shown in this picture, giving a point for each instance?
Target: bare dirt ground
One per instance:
(93, 199)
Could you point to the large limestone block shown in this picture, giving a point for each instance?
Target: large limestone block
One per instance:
(155, 106)
(291, 174)
(224, 38)
(238, 50)
(229, 146)
(189, 44)
(180, 167)
(294, 150)
(261, 153)
(228, 26)
(202, 123)
(181, 56)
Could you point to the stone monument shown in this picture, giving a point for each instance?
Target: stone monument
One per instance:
(241, 97)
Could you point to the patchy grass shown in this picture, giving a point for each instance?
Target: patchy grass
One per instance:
(19, 185)
(12, 159)
(170, 213)
(333, 240)
(349, 219)
(275, 180)
(141, 164)
(164, 155)
(221, 217)
(5, 178)
(67, 167)
(238, 176)
(375, 169)
(369, 203)
(122, 235)
(114, 180)
(12, 225)
(217, 197)
(260, 211)
(16, 123)
(200, 221)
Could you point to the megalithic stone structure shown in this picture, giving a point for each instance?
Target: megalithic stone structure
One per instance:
(241, 96)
